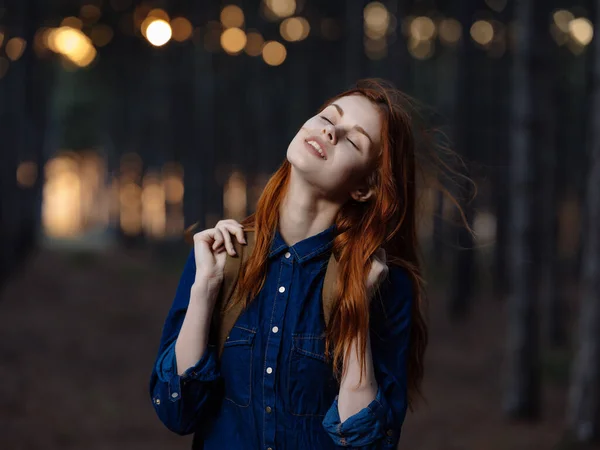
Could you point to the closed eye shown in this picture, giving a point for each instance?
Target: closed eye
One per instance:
(325, 118)
(356, 146)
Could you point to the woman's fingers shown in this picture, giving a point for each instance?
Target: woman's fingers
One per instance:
(227, 228)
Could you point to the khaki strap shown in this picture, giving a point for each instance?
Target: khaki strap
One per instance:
(224, 318)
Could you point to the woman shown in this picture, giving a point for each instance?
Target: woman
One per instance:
(285, 380)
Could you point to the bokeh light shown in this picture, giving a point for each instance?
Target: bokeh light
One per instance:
(450, 31)
(181, 28)
(72, 44)
(422, 28)
(294, 29)
(254, 43)
(91, 13)
(73, 22)
(14, 48)
(1, 37)
(562, 19)
(581, 30)
(281, 8)
(274, 53)
(235, 196)
(482, 32)
(158, 32)
(233, 40)
(27, 173)
(420, 49)
(376, 20)
(101, 35)
(232, 16)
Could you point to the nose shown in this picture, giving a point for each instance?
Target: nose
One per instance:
(329, 133)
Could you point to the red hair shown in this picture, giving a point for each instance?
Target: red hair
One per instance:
(387, 219)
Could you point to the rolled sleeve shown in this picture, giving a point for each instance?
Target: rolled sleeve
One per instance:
(366, 429)
(379, 425)
(183, 402)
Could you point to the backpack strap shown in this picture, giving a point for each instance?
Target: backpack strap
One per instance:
(225, 316)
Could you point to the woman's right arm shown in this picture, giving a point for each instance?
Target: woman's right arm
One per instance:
(183, 384)
(185, 373)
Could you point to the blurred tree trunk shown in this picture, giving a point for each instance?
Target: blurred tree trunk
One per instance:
(463, 276)
(354, 35)
(545, 265)
(23, 122)
(203, 191)
(583, 410)
(522, 393)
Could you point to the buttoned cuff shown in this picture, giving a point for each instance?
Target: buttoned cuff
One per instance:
(204, 370)
(367, 426)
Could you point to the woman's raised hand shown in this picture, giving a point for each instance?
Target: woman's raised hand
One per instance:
(209, 246)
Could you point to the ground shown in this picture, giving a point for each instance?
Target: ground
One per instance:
(80, 331)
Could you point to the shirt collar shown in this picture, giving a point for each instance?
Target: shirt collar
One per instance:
(306, 249)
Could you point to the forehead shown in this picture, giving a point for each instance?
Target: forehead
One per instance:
(358, 110)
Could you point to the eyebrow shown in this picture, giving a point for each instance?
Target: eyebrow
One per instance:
(356, 127)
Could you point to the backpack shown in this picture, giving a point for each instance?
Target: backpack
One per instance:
(225, 316)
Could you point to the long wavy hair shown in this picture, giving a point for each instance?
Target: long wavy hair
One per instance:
(387, 219)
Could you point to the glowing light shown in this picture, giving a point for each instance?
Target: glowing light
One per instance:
(580, 29)
(61, 198)
(375, 48)
(294, 29)
(149, 17)
(15, 47)
(73, 44)
(158, 32)
(1, 37)
(422, 28)
(159, 14)
(182, 29)
(73, 22)
(27, 174)
(562, 19)
(450, 31)
(233, 40)
(274, 53)
(496, 5)
(482, 32)
(420, 49)
(101, 35)
(235, 196)
(153, 207)
(254, 44)
(377, 20)
(173, 186)
(281, 8)
(232, 16)
(91, 13)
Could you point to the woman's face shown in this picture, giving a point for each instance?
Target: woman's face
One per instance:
(333, 150)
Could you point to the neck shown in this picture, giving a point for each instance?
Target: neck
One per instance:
(304, 212)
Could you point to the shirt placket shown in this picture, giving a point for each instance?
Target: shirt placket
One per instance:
(271, 366)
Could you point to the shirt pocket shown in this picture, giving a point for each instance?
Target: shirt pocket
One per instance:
(311, 386)
(236, 365)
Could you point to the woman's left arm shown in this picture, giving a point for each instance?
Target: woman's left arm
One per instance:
(370, 416)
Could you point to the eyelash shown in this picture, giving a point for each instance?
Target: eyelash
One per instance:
(325, 118)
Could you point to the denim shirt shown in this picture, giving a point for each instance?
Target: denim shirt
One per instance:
(273, 387)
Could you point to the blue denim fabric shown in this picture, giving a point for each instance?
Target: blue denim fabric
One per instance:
(273, 387)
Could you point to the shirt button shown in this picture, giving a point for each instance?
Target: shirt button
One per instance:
(158, 401)
(288, 254)
(269, 448)
(390, 432)
(269, 370)
(268, 409)
(174, 395)
(281, 289)
(274, 329)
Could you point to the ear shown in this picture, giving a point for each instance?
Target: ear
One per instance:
(362, 194)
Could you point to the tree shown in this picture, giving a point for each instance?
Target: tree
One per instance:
(522, 394)
(583, 410)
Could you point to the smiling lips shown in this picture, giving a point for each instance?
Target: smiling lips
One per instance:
(316, 147)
